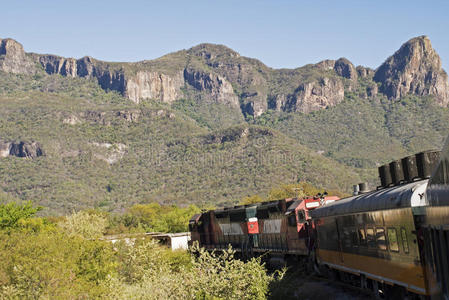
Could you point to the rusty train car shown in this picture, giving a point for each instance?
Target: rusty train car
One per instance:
(281, 228)
(393, 240)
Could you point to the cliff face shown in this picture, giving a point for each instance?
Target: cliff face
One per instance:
(153, 85)
(21, 149)
(316, 95)
(414, 69)
(13, 58)
(216, 87)
(217, 74)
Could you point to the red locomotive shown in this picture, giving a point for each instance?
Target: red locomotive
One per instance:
(281, 228)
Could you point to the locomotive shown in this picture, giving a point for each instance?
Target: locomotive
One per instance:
(281, 228)
(393, 240)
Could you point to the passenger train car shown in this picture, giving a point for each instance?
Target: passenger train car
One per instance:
(374, 238)
(435, 230)
(393, 240)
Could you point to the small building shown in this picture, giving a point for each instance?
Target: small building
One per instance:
(174, 241)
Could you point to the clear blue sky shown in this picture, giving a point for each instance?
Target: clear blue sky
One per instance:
(279, 33)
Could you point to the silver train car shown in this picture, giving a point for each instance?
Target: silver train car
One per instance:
(374, 239)
(434, 231)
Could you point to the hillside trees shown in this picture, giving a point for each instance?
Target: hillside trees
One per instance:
(61, 261)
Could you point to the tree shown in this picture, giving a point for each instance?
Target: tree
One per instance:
(251, 200)
(84, 224)
(12, 215)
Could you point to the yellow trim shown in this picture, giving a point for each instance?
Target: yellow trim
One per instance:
(408, 275)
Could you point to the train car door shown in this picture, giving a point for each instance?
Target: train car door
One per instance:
(252, 226)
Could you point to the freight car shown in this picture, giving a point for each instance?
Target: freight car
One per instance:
(372, 239)
(281, 228)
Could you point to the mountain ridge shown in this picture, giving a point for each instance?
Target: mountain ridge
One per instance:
(218, 74)
(206, 125)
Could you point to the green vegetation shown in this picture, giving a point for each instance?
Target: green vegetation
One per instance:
(152, 218)
(366, 133)
(13, 216)
(97, 156)
(104, 152)
(62, 260)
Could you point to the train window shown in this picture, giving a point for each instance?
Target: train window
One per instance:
(371, 240)
(380, 238)
(393, 239)
(362, 236)
(346, 238)
(292, 220)
(237, 216)
(354, 237)
(262, 214)
(301, 216)
(404, 240)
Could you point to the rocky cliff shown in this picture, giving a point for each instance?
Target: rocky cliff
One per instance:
(13, 58)
(316, 95)
(414, 69)
(215, 87)
(217, 74)
(21, 149)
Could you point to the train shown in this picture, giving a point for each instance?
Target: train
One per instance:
(392, 240)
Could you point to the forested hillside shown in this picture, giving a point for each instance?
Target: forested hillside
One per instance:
(206, 125)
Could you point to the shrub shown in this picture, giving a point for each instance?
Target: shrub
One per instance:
(53, 265)
(12, 215)
(84, 224)
(148, 272)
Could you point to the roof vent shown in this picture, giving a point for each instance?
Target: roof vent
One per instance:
(356, 189)
(363, 188)
(385, 175)
(426, 162)
(397, 173)
(410, 168)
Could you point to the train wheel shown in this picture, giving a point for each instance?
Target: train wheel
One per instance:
(394, 292)
(332, 274)
(375, 288)
(363, 282)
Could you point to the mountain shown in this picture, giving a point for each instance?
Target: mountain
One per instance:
(414, 69)
(207, 125)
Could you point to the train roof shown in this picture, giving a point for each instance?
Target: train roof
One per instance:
(388, 198)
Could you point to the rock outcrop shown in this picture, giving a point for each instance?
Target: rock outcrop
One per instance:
(414, 69)
(136, 87)
(129, 115)
(216, 87)
(21, 149)
(216, 74)
(364, 72)
(345, 68)
(342, 67)
(110, 153)
(154, 85)
(13, 58)
(316, 95)
(254, 104)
